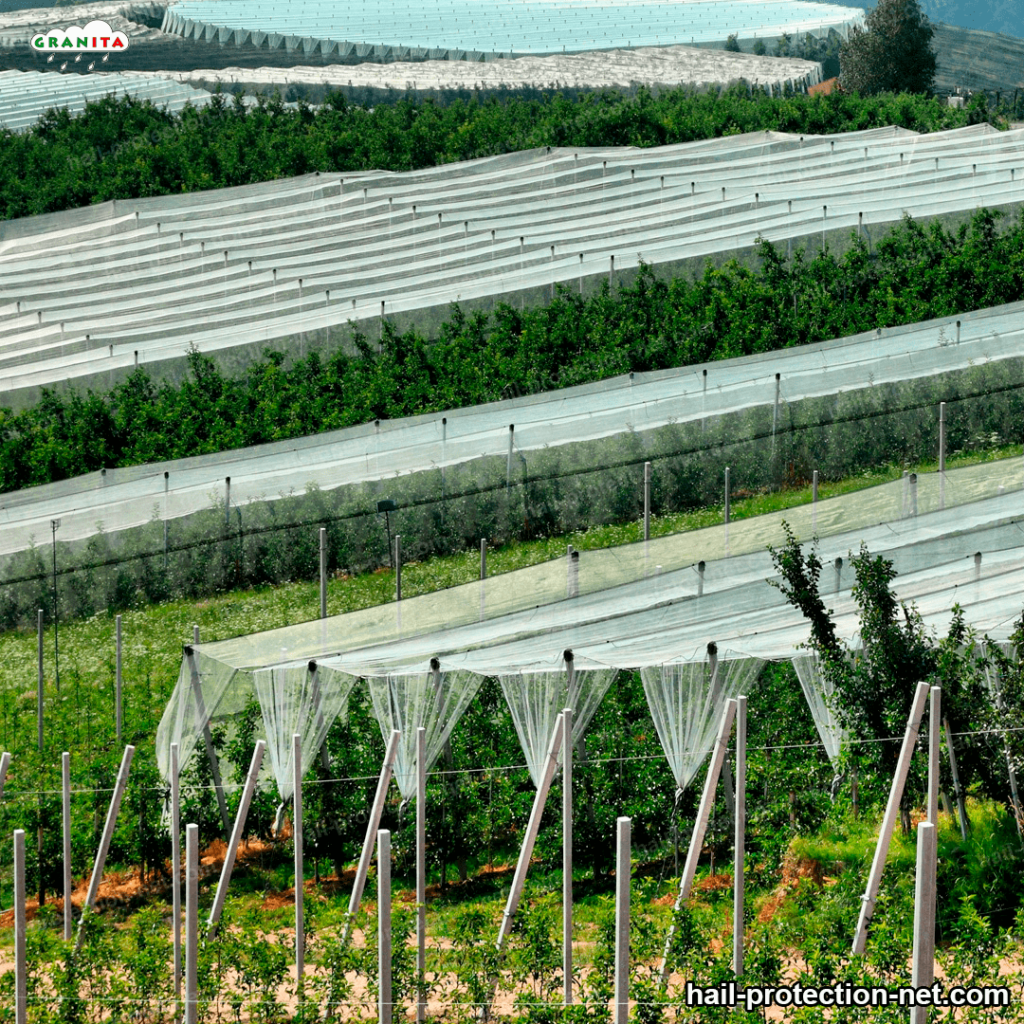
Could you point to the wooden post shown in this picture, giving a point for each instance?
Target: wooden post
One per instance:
(191, 923)
(421, 871)
(622, 874)
(532, 828)
(65, 818)
(739, 836)
(300, 874)
(117, 679)
(203, 723)
(176, 867)
(371, 832)
(236, 836)
(958, 792)
(700, 826)
(923, 971)
(385, 1005)
(108, 835)
(20, 964)
(323, 572)
(867, 907)
(567, 855)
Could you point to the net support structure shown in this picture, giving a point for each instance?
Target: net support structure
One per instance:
(934, 750)
(567, 855)
(191, 924)
(5, 763)
(623, 846)
(176, 868)
(108, 835)
(300, 933)
(867, 907)
(65, 819)
(700, 827)
(739, 836)
(203, 722)
(923, 970)
(958, 792)
(532, 828)
(421, 872)
(371, 832)
(237, 832)
(323, 572)
(20, 964)
(385, 999)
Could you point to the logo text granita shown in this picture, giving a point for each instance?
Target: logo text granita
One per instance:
(97, 36)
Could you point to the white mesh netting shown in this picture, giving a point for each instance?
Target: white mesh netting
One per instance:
(819, 691)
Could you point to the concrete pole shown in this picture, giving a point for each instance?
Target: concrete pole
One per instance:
(398, 567)
(20, 964)
(839, 572)
(508, 468)
(814, 486)
(934, 750)
(532, 828)
(567, 855)
(300, 874)
(892, 807)
(237, 832)
(739, 836)
(647, 501)
(483, 558)
(176, 867)
(195, 634)
(118, 720)
(942, 454)
(5, 763)
(622, 874)
(40, 696)
(913, 494)
(701, 566)
(65, 785)
(227, 501)
(957, 790)
(203, 722)
(323, 572)
(371, 831)
(385, 1005)
(700, 825)
(191, 923)
(108, 835)
(726, 494)
(923, 970)
(421, 869)
(167, 487)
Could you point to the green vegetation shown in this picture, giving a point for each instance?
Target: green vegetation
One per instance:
(123, 149)
(868, 59)
(915, 272)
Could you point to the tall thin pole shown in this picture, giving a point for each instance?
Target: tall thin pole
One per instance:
(567, 855)
(726, 494)
(191, 923)
(5, 763)
(867, 906)
(203, 723)
(323, 572)
(398, 567)
(483, 558)
(934, 750)
(958, 792)
(40, 696)
(176, 868)
(421, 871)
(622, 875)
(647, 501)
(117, 678)
(923, 970)
(167, 487)
(739, 836)
(300, 874)
(942, 454)
(20, 965)
(227, 501)
(54, 526)
(108, 835)
(385, 1005)
(65, 780)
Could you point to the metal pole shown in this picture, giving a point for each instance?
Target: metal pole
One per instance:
(371, 831)
(700, 825)
(191, 923)
(739, 836)
(647, 501)
(567, 855)
(300, 874)
(20, 965)
(385, 1006)
(934, 750)
(203, 722)
(923, 971)
(483, 558)
(117, 678)
(236, 836)
(421, 871)
(398, 567)
(867, 907)
(54, 525)
(726, 494)
(622, 873)
(532, 828)
(65, 785)
(957, 790)
(942, 454)
(108, 834)
(176, 868)
(39, 681)
(323, 572)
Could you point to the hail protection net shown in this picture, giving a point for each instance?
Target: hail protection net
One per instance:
(686, 702)
(298, 699)
(819, 691)
(434, 702)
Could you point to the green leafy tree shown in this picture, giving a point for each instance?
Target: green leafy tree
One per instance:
(732, 44)
(893, 54)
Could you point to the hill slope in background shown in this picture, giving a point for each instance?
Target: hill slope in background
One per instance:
(1005, 16)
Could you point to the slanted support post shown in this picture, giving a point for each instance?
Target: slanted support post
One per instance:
(958, 793)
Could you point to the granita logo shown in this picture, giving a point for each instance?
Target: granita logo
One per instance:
(96, 37)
